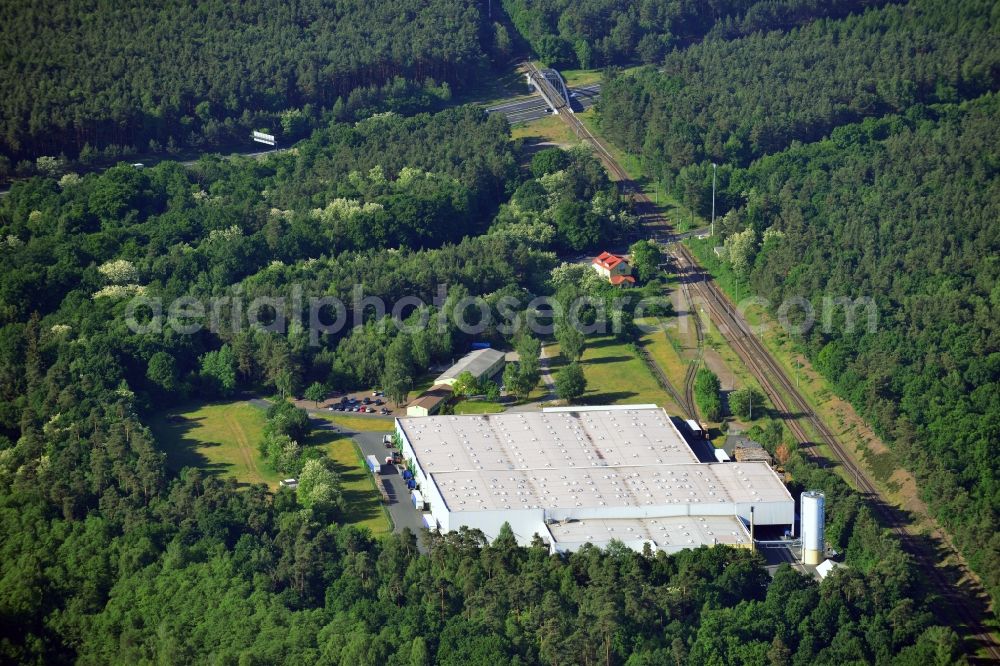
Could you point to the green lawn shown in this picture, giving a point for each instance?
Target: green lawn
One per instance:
(219, 438)
(364, 505)
(222, 439)
(478, 407)
(657, 343)
(615, 376)
(549, 128)
(359, 423)
(581, 77)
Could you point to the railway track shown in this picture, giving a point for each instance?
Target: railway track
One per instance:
(792, 406)
(664, 381)
(794, 410)
(692, 370)
(689, 377)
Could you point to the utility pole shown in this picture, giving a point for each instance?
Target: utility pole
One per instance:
(714, 170)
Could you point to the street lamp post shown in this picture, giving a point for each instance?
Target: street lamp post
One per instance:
(714, 170)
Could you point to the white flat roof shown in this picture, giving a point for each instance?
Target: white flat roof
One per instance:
(587, 439)
(668, 533)
(611, 487)
(614, 468)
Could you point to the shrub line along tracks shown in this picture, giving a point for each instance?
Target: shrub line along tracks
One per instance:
(791, 405)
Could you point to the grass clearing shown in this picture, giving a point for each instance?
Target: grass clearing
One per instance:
(478, 407)
(362, 499)
(657, 343)
(550, 128)
(218, 438)
(221, 439)
(615, 376)
(581, 77)
(359, 423)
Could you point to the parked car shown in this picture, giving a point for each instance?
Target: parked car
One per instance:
(380, 402)
(385, 411)
(367, 400)
(370, 410)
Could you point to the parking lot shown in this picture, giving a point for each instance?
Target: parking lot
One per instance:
(373, 403)
(357, 402)
(400, 507)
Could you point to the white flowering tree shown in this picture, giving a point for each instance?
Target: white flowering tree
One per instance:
(741, 247)
(118, 271)
(319, 488)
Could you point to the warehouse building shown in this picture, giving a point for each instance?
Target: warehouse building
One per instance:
(430, 401)
(480, 362)
(587, 475)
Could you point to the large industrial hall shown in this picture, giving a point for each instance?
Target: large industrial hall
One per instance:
(586, 475)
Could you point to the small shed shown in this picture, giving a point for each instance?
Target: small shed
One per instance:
(430, 401)
(825, 567)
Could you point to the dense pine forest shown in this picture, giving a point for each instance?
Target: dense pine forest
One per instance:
(902, 208)
(88, 78)
(599, 33)
(734, 101)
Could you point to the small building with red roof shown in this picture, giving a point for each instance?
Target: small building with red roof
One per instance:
(614, 269)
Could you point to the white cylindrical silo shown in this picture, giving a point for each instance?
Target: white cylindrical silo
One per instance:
(813, 546)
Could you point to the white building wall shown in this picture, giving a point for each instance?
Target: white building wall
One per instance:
(410, 455)
(765, 513)
(525, 523)
(439, 509)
